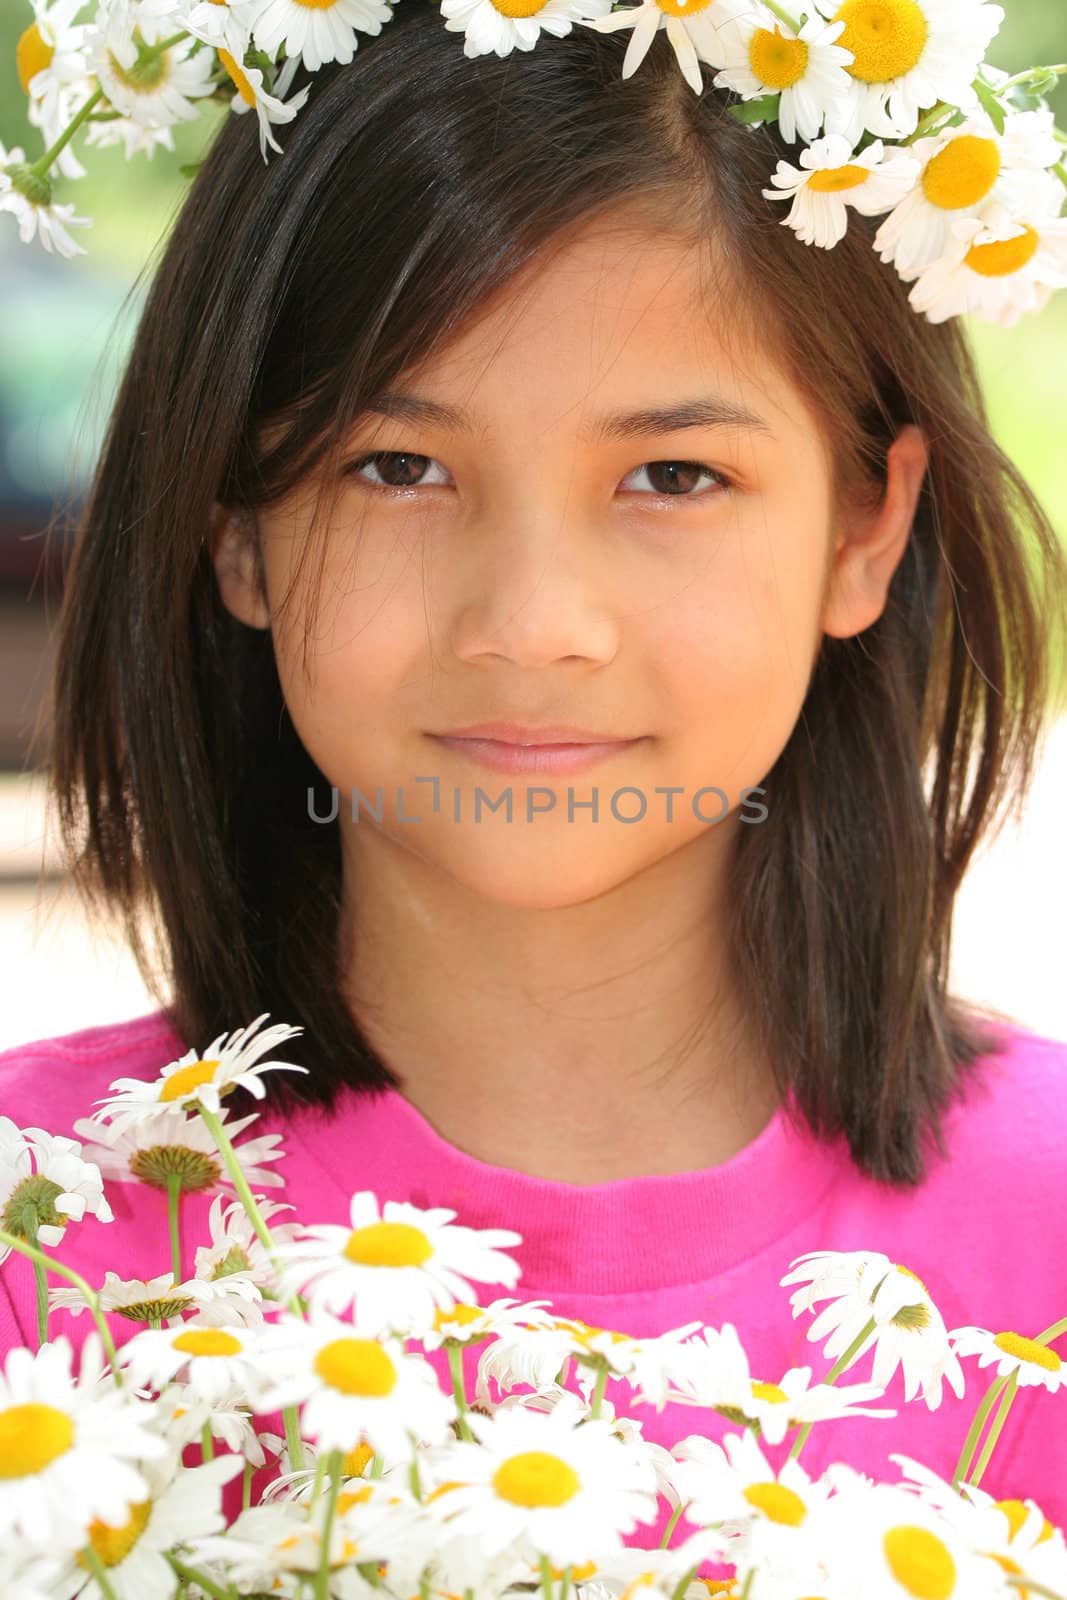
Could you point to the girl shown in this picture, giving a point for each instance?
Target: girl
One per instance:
(500, 413)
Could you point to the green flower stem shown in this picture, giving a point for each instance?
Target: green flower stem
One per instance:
(376, 1467)
(174, 1200)
(680, 1588)
(565, 1583)
(782, 14)
(416, 1482)
(832, 1376)
(191, 1575)
(40, 167)
(1036, 1588)
(672, 1524)
(322, 1579)
(246, 1486)
(970, 1444)
(994, 1433)
(1060, 169)
(1057, 1327)
(929, 121)
(245, 1195)
(1029, 75)
(40, 1274)
(546, 1578)
(598, 1390)
(90, 1297)
(320, 1473)
(455, 1367)
(96, 1567)
(153, 50)
(293, 1442)
(207, 1443)
(748, 1583)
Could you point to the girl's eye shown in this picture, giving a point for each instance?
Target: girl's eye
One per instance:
(397, 470)
(675, 479)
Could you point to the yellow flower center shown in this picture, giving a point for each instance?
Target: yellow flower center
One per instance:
(962, 173)
(355, 1461)
(32, 55)
(207, 1342)
(920, 1563)
(112, 1545)
(238, 78)
(831, 179)
(777, 1503)
(356, 1366)
(519, 8)
(186, 1079)
(1000, 257)
(769, 1391)
(535, 1478)
(679, 8)
(1039, 1355)
(1017, 1512)
(388, 1244)
(776, 61)
(318, 5)
(887, 37)
(461, 1314)
(579, 1573)
(31, 1437)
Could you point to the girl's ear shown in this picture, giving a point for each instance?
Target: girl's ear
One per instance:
(234, 547)
(870, 547)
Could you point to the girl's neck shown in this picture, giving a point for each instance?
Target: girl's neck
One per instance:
(582, 1043)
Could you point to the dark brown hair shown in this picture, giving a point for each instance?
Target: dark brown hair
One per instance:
(413, 184)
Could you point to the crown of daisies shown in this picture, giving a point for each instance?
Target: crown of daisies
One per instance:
(891, 105)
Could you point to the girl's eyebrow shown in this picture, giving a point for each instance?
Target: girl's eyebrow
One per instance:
(703, 411)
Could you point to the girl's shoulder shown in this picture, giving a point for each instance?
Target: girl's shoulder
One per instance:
(49, 1082)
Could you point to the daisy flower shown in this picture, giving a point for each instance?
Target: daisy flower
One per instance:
(228, 1419)
(908, 54)
(235, 1249)
(806, 69)
(693, 32)
(47, 1174)
(964, 169)
(229, 1300)
(228, 1063)
(52, 67)
(888, 1544)
(153, 89)
(252, 95)
(630, 1432)
(212, 1361)
(648, 1365)
(533, 1350)
(465, 1323)
(68, 1445)
(352, 1388)
(37, 215)
(767, 1513)
(488, 30)
(398, 1264)
(908, 1332)
(1035, 1363)
(323, 32)
(554, 1485)
(223, 24)
(831, 178)
(135, 139)
(713, 1370)
(793, 1403)
(996, 268)
(182, 1503)
(270, 1548)
(639, 1574)
(176, 1142)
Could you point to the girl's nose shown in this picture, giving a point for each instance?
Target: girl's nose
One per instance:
(534, 597)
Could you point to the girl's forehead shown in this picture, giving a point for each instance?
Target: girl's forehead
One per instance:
(608, 322)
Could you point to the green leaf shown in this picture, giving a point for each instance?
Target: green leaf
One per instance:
(763, 109)
(190, 169)
(990, 104)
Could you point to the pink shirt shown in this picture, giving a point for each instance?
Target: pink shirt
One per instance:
(985, 1233)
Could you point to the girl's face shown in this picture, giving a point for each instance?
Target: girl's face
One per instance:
(561, 553)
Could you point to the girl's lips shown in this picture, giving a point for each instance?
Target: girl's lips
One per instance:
(545, 758)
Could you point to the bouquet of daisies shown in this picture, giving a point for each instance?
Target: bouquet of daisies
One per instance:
(891, 104)
(291, 1418)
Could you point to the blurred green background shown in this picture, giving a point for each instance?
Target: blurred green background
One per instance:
(58, 367)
